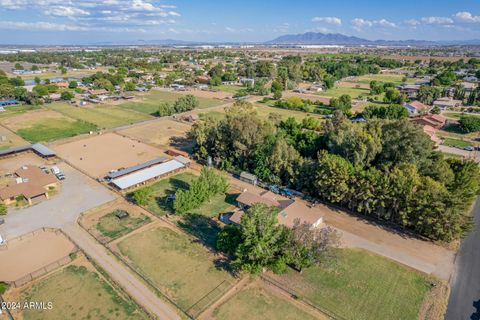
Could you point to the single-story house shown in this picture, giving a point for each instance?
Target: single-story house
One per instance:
(446, 102)
(31, 183)
(97, 92)
(435, 120)
(410, 90)
(416, 107)
(290, 211)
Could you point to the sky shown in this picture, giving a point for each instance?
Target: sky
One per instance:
(73, 22)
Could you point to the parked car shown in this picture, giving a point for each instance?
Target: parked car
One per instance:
(469, 148)
(55, 170)
(60, 176)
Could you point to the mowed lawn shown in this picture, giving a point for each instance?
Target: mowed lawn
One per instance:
(149, 102)
(352, 92)
(54, 128)
(77, 293)
(360, 285)
(103, 116)
(393, 78)
(456, 143)
(112, 227)
(178, 266)
(259, 304)
(160, 206)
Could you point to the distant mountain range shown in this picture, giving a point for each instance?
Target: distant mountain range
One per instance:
(318, 38)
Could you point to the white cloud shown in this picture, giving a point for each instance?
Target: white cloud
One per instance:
(359, 23)
(62, 11)
(437, 20)
(43, 25)
(465, 16)
(329, 20)
(412, 22)
(113, 14)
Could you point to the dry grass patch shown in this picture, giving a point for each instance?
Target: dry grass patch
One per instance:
(175, 264)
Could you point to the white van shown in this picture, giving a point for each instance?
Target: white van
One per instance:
(55, 170)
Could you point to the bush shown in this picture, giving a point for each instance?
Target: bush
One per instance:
(468, 124)
(143, 196)
(3, 287)
(3, 209)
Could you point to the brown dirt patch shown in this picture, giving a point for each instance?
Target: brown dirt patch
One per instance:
(31, 253)
(158, 132)
(98, 154)
(9, 140)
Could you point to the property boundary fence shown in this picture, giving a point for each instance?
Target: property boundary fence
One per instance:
(296, 296)
(207, 300)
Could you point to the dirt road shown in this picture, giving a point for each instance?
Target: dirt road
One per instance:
(121, 275)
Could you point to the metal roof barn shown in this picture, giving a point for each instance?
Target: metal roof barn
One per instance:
(123, 172)
(147, 174)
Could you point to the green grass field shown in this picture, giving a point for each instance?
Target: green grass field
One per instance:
(456, 143)
(394, 78)
(164, 187)
(149, 102)
(54, 129)
(361, 285)
(101, 115)
(259, 304)
(228, 88)
(77, 293)
(179, 267)
(352, 92)
(17, 110)
(212, 114)
(112, 227)
(457, 115)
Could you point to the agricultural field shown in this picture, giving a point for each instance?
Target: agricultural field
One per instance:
(160, 206)
(148, 103)
(361, 285)
(158, 132)
(9, 139)
(77, 291)
(257, 303)
(175, 264)
(17, 110)
(46, 125)
(104, 117)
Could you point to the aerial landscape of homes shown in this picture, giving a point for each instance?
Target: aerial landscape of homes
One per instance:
(313, 176)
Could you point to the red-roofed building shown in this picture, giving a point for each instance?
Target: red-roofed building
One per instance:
(416, 107)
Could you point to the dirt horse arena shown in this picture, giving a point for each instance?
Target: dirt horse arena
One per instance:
(31, 253)
(98, 154)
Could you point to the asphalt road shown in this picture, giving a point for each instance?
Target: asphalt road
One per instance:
(464, 302)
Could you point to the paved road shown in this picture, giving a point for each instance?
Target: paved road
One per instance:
(464, 302)
(121, 275)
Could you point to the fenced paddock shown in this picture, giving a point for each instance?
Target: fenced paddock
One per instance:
(34, 254)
